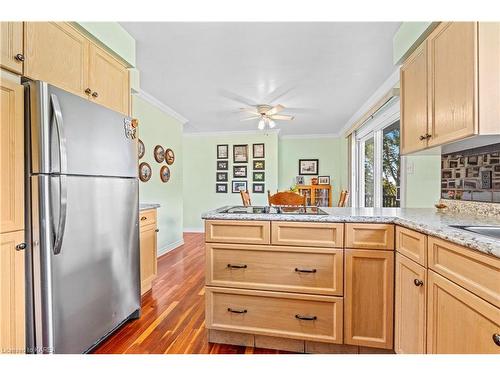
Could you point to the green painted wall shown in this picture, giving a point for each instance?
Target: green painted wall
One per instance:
(156, 127)
(114, 37)
(423, 180)
(330, 152)
(200, 155)
(408, 35)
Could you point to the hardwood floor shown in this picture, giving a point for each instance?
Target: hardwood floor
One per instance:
(173, 312)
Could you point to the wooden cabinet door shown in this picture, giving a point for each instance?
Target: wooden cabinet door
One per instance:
(458, 322)
(57, 53)
(148, 257)
(409, 322)
(109, 81)
(369, 298)
(11, 156)
(452, 82)
(12, 315)
(11, 46)
(414, 119)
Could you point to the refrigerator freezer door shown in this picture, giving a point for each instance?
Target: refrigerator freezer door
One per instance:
(94, 283)
(73, 135)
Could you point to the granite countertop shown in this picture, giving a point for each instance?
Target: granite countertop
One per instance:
(148, 206)
(425, 220)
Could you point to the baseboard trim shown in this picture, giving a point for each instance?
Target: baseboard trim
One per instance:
(169, 247)
(194, 230)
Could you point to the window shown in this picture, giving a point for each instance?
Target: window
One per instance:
(377, 160)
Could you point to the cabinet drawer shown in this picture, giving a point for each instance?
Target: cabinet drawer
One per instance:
(476, 272)
(307, 234)
(147, 217)
(234, 231)
(369, 236)
(412, 245)
(279, 268)
(299, 316)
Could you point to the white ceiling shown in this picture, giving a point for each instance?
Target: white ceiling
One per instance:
(324, 70)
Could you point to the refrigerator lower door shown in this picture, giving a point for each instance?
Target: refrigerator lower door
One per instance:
(90, 284)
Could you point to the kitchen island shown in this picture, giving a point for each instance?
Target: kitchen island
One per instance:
(351, 280)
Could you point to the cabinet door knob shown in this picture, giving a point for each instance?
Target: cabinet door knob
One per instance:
(496, 338)
(423, 137)
(95, 94)
(427, 136)
(418, 282)
(20, 246)
(88, 91)
(157, 230)
(143, 218)
(19, 57)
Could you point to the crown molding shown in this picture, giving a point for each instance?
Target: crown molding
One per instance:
(310, 136)
(234, 132)
(388, 84)
(160, 105)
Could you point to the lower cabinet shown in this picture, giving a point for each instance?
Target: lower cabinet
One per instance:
(369, 298)
(12, 315)
(147, 237)
(410, 305)
(458, 322)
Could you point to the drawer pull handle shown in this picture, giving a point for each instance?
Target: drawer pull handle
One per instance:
(236, 265)
(418, 282)
(143, 218)
(496, 338)
(236, 311)
(305, 270)
(306, 317)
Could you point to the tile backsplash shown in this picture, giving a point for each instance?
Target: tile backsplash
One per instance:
(472, 175)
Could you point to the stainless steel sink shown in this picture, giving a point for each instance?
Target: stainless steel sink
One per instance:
(490, 231)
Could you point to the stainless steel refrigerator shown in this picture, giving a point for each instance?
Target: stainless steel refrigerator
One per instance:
(82, 220)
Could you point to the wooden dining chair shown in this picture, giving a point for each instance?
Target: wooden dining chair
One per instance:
(286, 198)
(245, 197)
(344, 196)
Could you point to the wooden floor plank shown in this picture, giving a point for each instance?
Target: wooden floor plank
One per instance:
(173, 313)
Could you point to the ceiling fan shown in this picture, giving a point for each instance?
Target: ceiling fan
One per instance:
(266, 114)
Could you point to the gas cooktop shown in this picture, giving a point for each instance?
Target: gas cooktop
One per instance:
(284, 210)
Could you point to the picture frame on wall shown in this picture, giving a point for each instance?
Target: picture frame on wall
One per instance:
(308, 167)
(259, 165)
(222, 165)
(300, 180)
(237, 186)
(324, 180)
(239, 171)
(221, 177)
(221, 188)
(258, 188)
(240, 153)
(222, 151)
(258, 151)
(258, 176)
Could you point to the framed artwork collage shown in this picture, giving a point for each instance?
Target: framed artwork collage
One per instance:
(240, 168)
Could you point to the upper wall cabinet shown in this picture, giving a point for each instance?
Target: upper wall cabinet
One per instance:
(11, 46)
(109, 80)
(450, 86)
(57, 53)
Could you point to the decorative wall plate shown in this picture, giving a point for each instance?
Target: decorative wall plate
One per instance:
(169, 156)
(159, 154)
(144, 172)
(165, 173)
(140, 149)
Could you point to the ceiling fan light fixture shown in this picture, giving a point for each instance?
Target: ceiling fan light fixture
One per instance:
(262, 124)
(272, 124)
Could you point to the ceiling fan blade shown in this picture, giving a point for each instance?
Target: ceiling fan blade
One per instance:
(276, 109)
(303, 110)
(237, 98)
(282, 117)
(250, 118)
(250, 110)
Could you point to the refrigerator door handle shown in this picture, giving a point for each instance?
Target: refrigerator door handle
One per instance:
(63, 192)
(58, 119)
